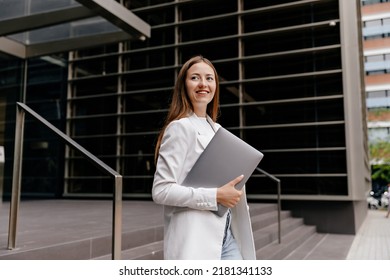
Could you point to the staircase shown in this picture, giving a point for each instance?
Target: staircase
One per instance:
(64, 234)
(265, 230)
(299, 241)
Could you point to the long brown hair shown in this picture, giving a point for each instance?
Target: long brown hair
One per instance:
(181, 105)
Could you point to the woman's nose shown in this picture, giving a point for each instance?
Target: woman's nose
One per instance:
(202, 82)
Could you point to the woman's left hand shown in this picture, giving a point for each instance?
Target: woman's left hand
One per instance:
(228, 195)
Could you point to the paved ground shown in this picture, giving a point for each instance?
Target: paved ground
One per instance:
(372, 242)
(46, 222)
(43, 222)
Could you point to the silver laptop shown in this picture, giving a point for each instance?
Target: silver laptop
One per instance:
(225, 158)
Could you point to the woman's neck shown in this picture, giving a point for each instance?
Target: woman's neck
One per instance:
(200, 112)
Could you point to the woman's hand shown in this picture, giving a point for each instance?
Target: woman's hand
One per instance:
(229, 196)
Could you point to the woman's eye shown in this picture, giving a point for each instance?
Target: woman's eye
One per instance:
(210, 79)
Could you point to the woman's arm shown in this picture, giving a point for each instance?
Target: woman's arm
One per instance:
(178, 142)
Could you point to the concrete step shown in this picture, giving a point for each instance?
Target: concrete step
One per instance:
(261, 208)
(323, 246)
(151, 251)
(91, 248)
(307, 247)
(261, 221)
(290, 241)
(269, 234)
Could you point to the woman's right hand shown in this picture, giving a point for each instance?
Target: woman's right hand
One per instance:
(228, 195)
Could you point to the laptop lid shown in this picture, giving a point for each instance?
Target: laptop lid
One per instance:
(225, 158)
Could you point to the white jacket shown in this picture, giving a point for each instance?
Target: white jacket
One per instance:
(191, 231)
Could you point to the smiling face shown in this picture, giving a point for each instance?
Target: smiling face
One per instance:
(200, 85)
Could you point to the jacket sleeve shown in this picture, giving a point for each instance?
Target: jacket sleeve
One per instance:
(177, 144)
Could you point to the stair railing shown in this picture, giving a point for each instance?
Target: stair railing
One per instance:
(17, 171)
(278, 200)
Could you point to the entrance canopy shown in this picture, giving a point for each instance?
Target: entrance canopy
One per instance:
(31, 28)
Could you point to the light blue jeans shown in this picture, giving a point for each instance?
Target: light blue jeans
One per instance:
(230, 250)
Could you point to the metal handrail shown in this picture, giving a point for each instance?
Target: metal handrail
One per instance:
(272, 177)
(17, 171)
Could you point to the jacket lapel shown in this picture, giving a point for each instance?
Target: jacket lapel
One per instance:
(210, 121)
(201, 134)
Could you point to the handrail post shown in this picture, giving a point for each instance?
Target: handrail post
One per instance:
(278, 200)
(117, 219)
(279, 210)
(16, 178)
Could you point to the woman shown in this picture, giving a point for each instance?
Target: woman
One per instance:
(192, 230)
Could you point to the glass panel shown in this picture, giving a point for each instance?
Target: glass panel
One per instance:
(374, 58)
(293, 40)
(106, 49)
(11, 85)
(311, 86)
(107, 105)
(229, 117)
(321, 136)
(90, 185)
(143, 122)
(203, 30)
(299, 185)
(217, 7)
(293, 64)
(310, 162)
(376, 94)
(99, 146)
(138, 186)
(96, 67)
(135, 143)
(98, 85)
(228, 94)
(153, 100)
(43, 152)
(295, 112)
(18, 8)
(88, 27)
(152, 79)
(95, 126)
(227, 71)
(212, 50)
(152, 59)
(302, 14)
(253, 4)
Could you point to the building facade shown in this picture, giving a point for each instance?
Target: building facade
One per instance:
(376, 31)
(292, 86)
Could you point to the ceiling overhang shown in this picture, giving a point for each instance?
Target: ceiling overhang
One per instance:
(37, 30)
